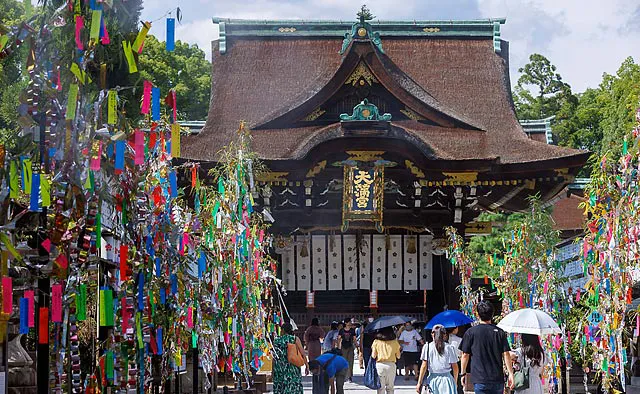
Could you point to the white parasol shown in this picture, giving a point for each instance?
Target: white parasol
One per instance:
(529, 321)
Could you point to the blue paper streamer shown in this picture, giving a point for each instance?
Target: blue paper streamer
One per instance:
(174, 284)
(140, 291)
(159, 340)
(158, 267)
(173, 182)
(155, 103)
(120, 147)
(171, 34)
(163, 295)
(24, 316)
(202, 265)
(35, 192)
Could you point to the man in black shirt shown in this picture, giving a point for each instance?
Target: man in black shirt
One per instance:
(487, 346)
(348, 342)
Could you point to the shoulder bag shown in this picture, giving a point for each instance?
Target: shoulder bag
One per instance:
(294, 356)
(371, 378)
(521, 377)
(427, 388)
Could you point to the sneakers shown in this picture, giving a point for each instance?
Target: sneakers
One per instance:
(349, 380)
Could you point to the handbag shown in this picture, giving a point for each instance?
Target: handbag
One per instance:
(521, 377)
(371, 378)
(294, 356)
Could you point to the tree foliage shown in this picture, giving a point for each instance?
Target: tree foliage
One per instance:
(12, 80)
(185, 69)
(482, 249)
(540, 91)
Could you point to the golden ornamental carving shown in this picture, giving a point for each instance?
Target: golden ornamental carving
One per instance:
(410, 114)
(365, 155)
(460, 177)
(287, 29)
(317, 169)
(362, 74)
(318, 112)
(414, 169)
(271, 176)
(431, 29)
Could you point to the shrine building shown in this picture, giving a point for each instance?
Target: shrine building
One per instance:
(377, 136)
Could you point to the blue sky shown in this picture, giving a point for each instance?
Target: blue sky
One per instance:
(583, 38)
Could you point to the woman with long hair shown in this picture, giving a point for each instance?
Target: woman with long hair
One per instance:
(287, 378)
(386, 351)
(531, 355)
(441, 360)
(312, 337)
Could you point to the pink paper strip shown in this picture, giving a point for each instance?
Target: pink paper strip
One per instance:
(46, 244)
(7, 294)
(105, 33)
(125, 315)
(56, 303)
(139, 147)
(95, 158)
(28, 294)
(79, 27)
(146, 97)
(190, 317)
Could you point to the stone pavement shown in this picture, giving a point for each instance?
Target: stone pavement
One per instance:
(401, 386)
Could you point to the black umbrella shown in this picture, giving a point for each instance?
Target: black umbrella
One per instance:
(386, 321)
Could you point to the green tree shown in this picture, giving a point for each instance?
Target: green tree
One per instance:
(185, 69)
(619, 99)
(481, 248)
(12, 80)
(548, 92)
(580, 127)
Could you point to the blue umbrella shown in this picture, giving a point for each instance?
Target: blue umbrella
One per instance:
(449, 319)
(386, 321)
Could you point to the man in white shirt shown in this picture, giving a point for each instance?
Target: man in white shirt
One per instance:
(410, 339)
(454, 340)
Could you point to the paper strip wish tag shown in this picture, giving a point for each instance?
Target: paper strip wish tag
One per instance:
(146, 97)
(96, 19)
(72, 102)
(43, 326)
(142, 35)
(56, 303)
(175, 140)
(112, 107)
(171, 34)
(155, 103)
(81, 303)
(7, 294)
(28, 295)
(24, 316)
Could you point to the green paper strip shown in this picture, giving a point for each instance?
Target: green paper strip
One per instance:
(45, 190)
(98, 231)
(7, 243)
(14, 181)
(72, 102)
(3, 41)
(106, 308)
(96, 17)
(108, 364)
(27, 174)
(112, 106)
(194, 339)
(81, 303)
(139, 331)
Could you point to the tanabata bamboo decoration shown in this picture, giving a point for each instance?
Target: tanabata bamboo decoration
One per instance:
(140, 270)
(532, 277)
(611, 257)
(460, 259)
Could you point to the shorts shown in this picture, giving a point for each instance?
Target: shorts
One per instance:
(410, 358)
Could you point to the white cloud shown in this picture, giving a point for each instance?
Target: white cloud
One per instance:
(583, 38)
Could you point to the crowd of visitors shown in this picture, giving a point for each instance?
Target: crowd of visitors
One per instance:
(448, 364)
